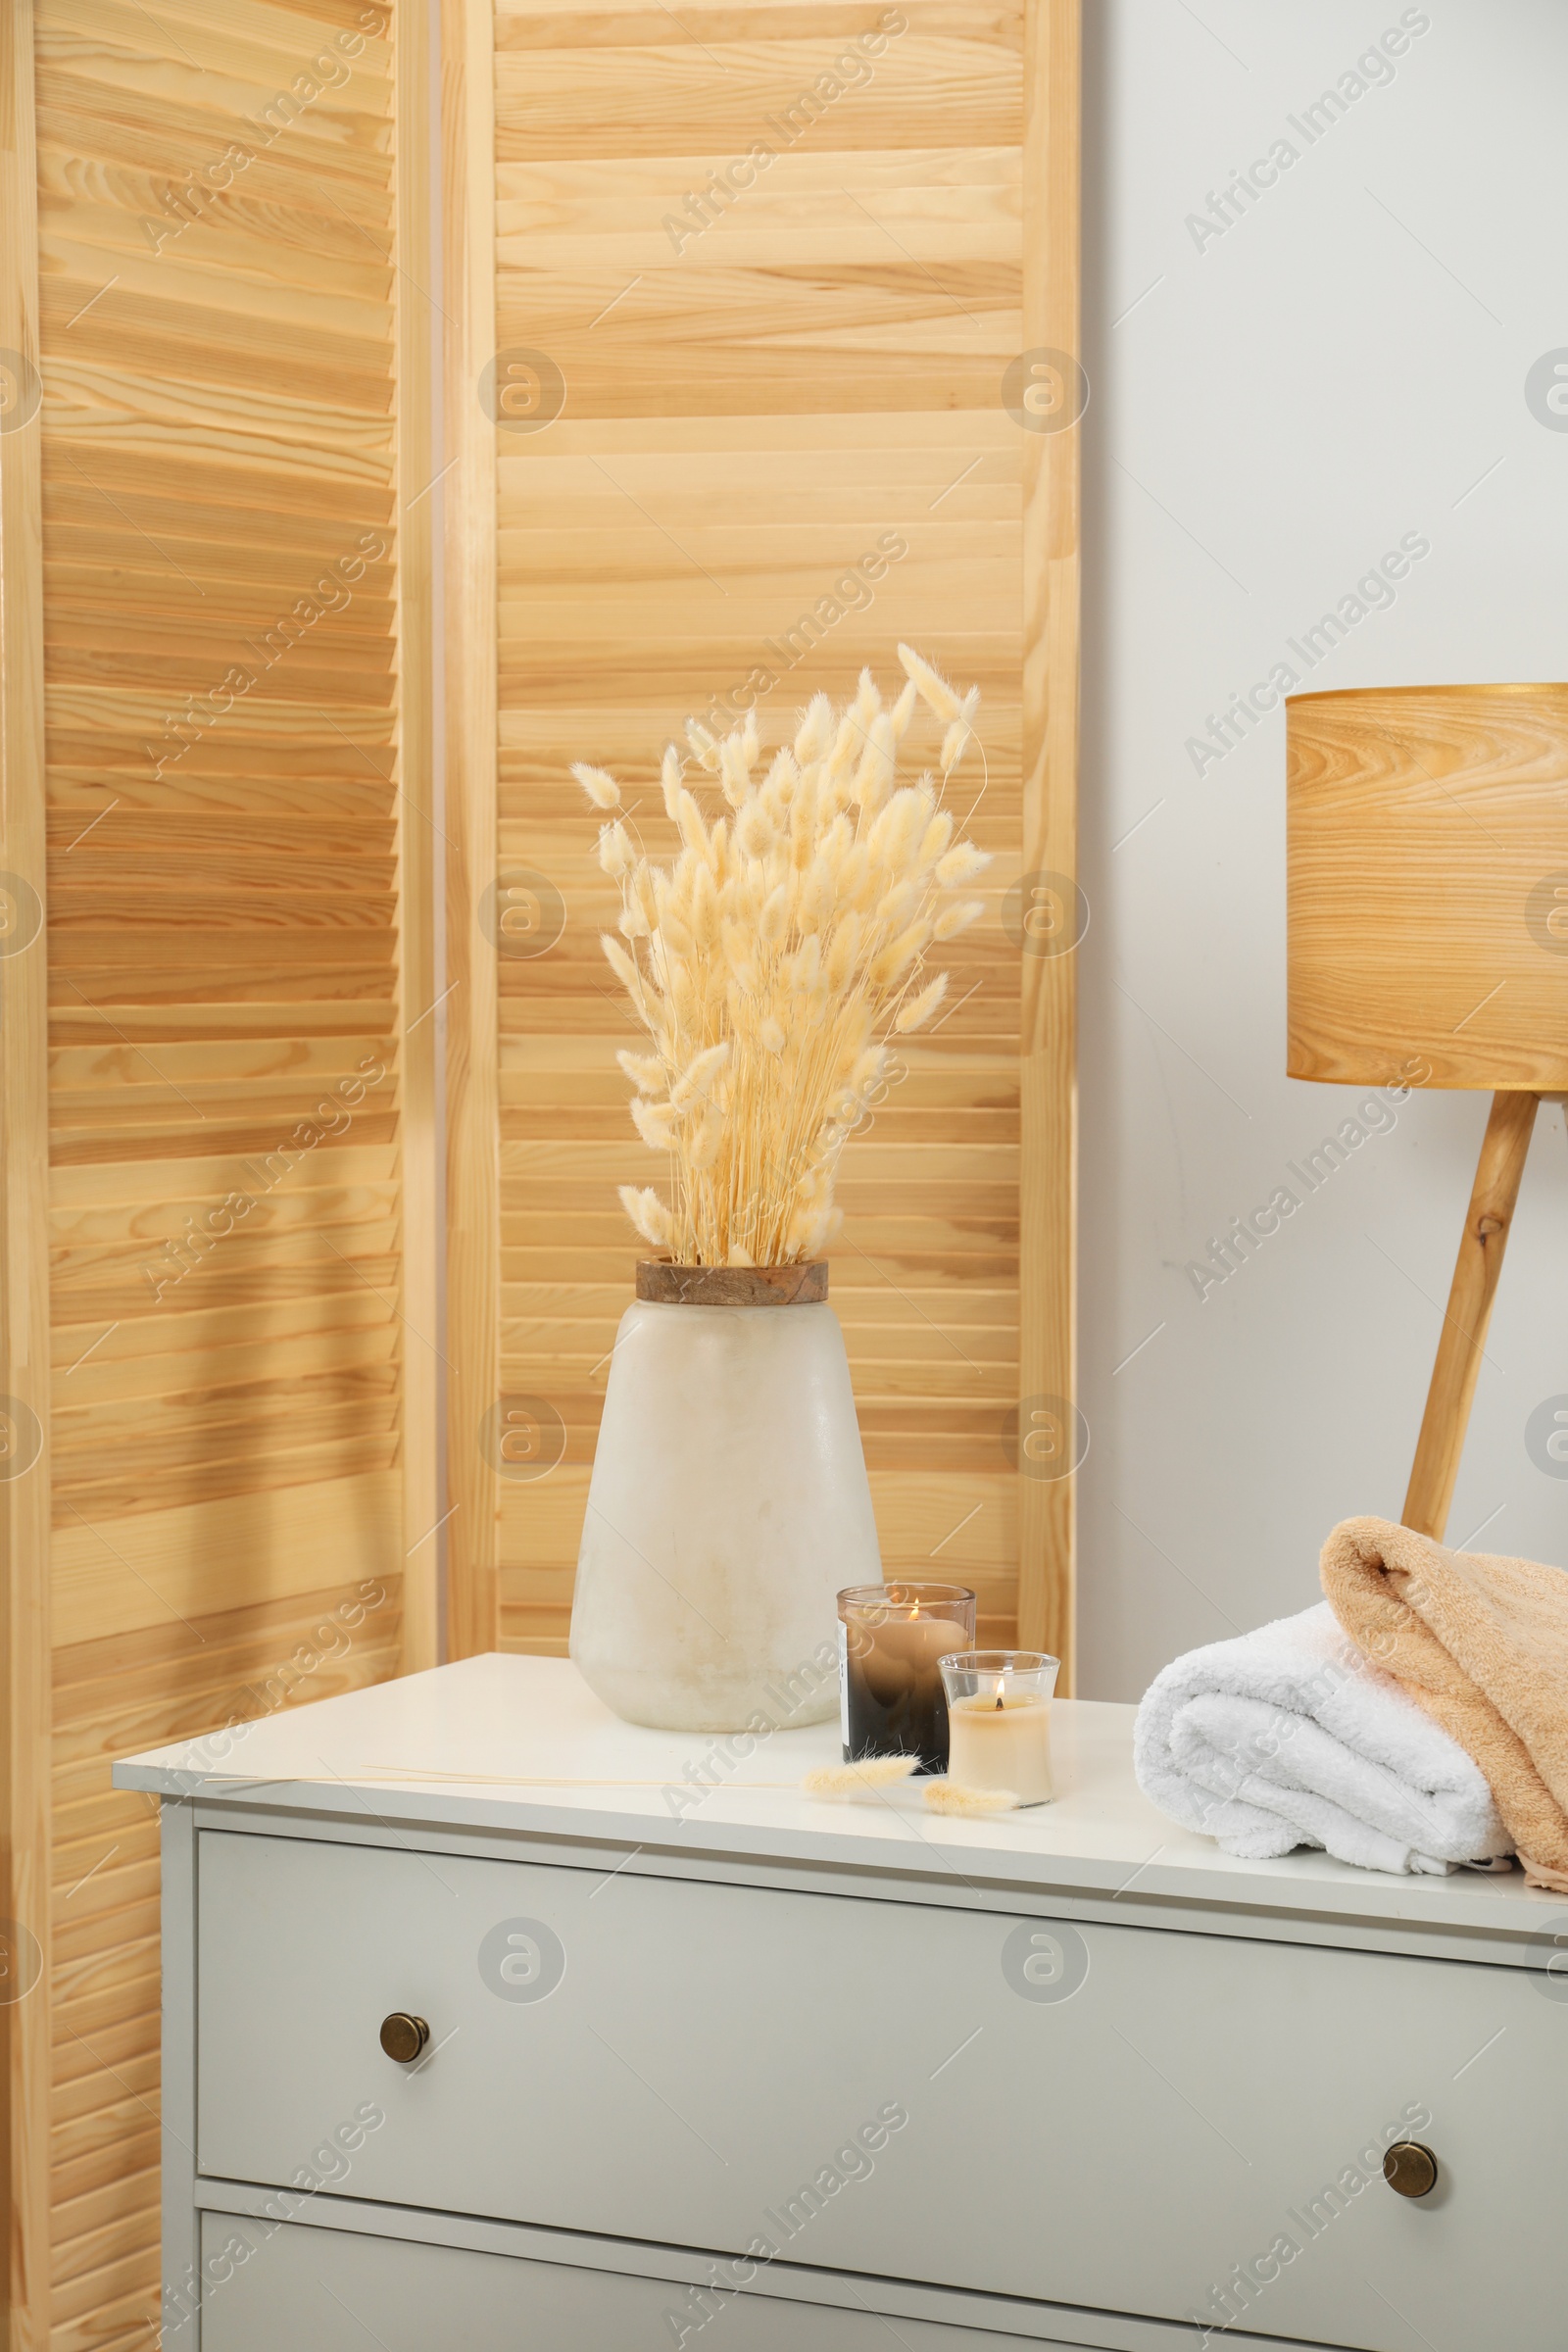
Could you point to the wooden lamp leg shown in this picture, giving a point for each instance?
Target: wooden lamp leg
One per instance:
(1503, 1150)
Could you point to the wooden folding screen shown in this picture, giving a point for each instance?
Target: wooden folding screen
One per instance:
(762, 358)
(217, 1453)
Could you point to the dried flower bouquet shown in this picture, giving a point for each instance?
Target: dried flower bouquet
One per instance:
(774, 961)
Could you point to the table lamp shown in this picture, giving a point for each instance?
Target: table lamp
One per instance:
(1428, 935)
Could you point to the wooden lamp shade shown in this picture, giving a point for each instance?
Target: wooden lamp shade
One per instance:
(1428, 942)
(1428, 841)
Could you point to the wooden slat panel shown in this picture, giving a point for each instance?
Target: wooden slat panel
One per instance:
(235, 596)
(24, 1210)
(755, 394)
(1048, 1204)
(467, 168)
(420, 326)
(126, 1576)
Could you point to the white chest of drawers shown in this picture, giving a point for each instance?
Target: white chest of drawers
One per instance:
(719, 2065)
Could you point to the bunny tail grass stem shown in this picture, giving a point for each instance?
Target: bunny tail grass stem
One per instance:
(832, 1782)
(414, 1775)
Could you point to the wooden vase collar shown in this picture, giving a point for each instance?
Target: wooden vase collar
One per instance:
(667, 1285)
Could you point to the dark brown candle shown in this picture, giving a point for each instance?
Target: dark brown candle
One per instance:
(893, 1641)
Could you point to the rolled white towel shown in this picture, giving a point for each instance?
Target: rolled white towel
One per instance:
(1289, 1736)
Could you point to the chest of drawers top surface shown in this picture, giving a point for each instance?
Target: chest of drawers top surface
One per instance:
(508, 1746)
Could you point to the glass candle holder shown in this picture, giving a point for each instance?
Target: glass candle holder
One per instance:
(999, 1720)
(892, 1641)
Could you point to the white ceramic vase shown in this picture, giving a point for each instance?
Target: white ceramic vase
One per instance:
(728, 1506)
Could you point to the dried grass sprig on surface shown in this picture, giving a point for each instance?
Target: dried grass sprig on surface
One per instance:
(956, 1797)
(774, 961)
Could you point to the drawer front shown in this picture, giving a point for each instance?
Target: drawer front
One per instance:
(1129, 2120)
(327, 2290)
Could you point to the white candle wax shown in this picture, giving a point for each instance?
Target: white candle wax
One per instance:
(902, 1651)
(1005, 1746)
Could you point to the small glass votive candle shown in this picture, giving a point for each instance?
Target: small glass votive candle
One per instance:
(892, 1642)
(999, 1720)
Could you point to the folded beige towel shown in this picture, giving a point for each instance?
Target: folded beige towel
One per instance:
(1482, 1643)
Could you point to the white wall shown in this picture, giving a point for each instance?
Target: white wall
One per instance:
(1346, 364)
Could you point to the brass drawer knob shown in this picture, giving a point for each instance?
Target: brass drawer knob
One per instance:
(1409, 2169)
(402, 2036)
